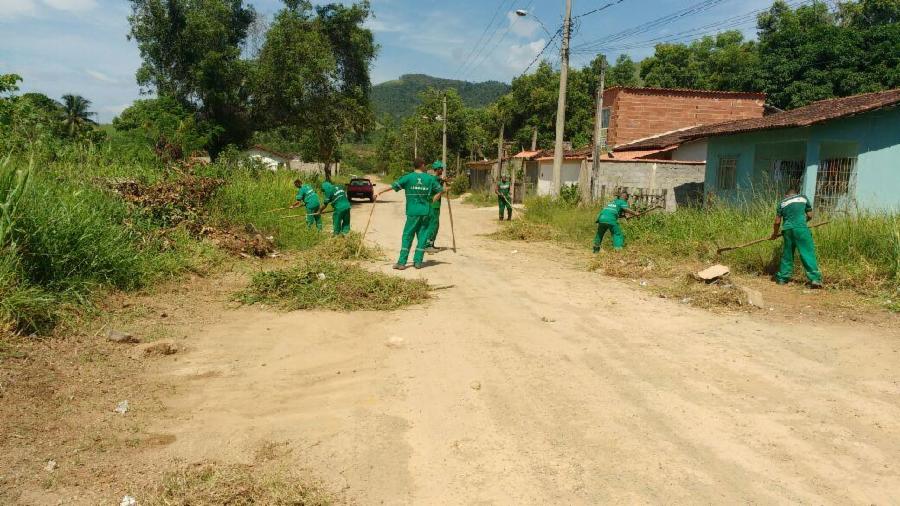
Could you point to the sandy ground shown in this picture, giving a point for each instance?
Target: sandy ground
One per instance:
(529, 381)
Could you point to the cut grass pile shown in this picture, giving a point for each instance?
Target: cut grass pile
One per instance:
(858, 251)
(323, 280)
(236, 485)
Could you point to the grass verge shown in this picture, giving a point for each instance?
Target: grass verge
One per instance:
(236, 485)
(482, 199)
(859, 251)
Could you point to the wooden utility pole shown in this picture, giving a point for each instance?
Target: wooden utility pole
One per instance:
(444, 154)
(558, 154)
(598, 132)
(499, 169)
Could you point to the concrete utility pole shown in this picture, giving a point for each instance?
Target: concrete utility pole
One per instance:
(416, 142)
(561, 106)
(444, 155)
(598, 129)
(534, 139)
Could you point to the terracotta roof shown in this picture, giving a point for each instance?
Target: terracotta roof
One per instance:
(817, 112)
(712, 93)
(527, 154)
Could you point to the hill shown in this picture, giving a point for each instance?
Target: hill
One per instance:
(399, 98)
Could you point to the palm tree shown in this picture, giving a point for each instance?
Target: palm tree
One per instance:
(76, 114)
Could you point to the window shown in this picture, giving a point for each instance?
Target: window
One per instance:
(836, 183)
(726, 176)
(788, 173)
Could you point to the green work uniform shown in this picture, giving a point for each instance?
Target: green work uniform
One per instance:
(797, 236)
(420, 188)
(608, 221)
(310, 199)
(337, 197)
(435, 224)
(503, 200)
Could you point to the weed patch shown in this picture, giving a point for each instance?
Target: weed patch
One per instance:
(236, 485)
(482, 199)
(318, 283)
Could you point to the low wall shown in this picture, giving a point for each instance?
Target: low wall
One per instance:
(683, 181)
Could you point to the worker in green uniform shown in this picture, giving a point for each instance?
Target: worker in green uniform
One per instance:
(421, 191)
(435, 224)
(608, 221)
(308, 197)
(337, 197)
(791, 218)
(503, 198)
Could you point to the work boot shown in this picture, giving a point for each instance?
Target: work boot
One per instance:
(817, 285)
(432, 250)
(780, 282)
(596, 250)
(418, 266)
(398, 267)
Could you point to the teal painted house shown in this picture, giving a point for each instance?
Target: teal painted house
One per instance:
(844, 153)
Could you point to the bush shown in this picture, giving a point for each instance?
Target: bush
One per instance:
(459, 184)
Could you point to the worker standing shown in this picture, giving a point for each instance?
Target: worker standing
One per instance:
(608, 221)
(791, 218)
(421, 191)
(503, 198)
(337, 197)
(308, 197)
(435, 224)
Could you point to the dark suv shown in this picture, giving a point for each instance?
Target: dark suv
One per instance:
(361, 188)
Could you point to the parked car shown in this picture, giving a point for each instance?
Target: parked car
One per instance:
(361, 188)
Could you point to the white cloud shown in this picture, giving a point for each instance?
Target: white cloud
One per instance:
(520, 55)
(13, 8)
(381, 26)
(524, 27)
(72, 5)
(100, 76)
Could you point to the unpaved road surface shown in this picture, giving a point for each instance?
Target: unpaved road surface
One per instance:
(529, 381)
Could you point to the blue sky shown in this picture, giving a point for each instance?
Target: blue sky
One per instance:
(79, 46)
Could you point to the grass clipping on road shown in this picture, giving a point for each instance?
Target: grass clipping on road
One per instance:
(236, 484)
(322, 279)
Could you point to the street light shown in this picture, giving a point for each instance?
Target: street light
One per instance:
(523, 13)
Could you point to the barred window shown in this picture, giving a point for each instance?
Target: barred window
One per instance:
(836, 183)
(726, 176)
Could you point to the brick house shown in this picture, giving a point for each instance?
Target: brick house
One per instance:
(632, 114)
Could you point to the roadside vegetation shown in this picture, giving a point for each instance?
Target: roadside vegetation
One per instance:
(482, 199)
(858, 251)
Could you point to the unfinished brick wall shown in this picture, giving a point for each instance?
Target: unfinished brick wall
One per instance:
(637, 113)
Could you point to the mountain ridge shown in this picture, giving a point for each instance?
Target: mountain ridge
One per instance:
(398, 98)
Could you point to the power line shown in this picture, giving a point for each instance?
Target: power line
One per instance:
(500, 41)
(598, 9)
(487, 28)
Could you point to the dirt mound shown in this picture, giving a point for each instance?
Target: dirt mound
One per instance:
(241, 242)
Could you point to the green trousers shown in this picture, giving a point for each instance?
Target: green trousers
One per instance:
(416, 227)
(434, 225)
(314, 218)
(341, 222)
(501, 202)
(618, 236)
(799, 239)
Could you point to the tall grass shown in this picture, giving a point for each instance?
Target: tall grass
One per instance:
(856, 250)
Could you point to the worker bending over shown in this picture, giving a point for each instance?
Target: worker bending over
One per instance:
(308, 197)
(791, 218)
(337, 197)
(608, 221)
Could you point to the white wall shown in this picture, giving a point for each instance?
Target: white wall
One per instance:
(691, 152)
(268, 159)
(570, 173)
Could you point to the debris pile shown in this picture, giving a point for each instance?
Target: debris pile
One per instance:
(172, 202)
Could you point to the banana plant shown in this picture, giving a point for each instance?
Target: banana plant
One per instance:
(12, 186)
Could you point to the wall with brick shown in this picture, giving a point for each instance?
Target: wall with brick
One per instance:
(682, 181)
(640, 113)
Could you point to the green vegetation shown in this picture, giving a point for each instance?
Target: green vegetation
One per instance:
(322, 283)
(859, 252)
(236, 484)
(398, 99)
(482, 199)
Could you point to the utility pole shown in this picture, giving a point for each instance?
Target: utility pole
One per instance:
(598, 128)
(561, 106)
(416, 142)
(499, 155)
(444, 154)
(534, 139)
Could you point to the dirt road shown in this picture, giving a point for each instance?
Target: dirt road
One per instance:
(530, 381)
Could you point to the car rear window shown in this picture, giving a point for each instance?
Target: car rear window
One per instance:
(360, 182)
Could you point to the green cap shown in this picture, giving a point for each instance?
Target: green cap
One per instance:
(437, 165)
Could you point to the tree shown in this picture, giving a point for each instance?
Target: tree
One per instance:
(624, 73)
(326, 56)
(164, 121)
(725, 62)
(191, 51)
(76, 115)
